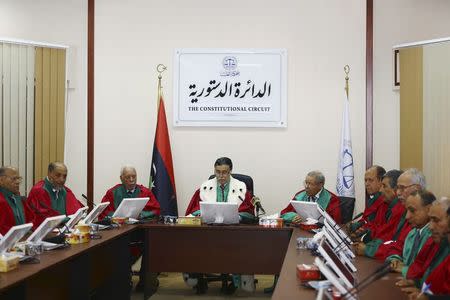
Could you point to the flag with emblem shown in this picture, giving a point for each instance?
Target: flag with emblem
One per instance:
(345, 186)
(162, 180)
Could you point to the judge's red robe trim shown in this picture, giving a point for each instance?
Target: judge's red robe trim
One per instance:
(439, 279)
(372, 209)
(151, 206)
(396, 246)
(40, 202)
(385, 229)
(333, 208)
(246, 205)
(7, 216)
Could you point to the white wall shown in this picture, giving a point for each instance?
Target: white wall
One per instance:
(321, 37)
(398, 22)
(65, 23)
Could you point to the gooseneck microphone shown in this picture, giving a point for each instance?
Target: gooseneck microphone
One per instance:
(257, 203)
(381, 271)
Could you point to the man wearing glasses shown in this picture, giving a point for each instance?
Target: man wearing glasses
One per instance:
(314, 192)
(13, 209)
(396, 229)
(223, 188)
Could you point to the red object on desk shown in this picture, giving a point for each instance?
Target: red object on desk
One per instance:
(307, 272)
(308, 227)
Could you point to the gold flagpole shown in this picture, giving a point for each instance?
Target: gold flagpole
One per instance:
(346, 71)
(160, 69)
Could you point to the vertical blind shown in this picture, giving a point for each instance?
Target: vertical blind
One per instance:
(32, 109)
(49, 108)
(17, 109)
(436, 120)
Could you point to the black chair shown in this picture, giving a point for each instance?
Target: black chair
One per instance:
(347, 206)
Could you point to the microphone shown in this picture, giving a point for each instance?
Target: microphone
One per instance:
(357, 216)
(257, 203)
(331, 210)
(381, 271)
(58, 239)
(86, 198)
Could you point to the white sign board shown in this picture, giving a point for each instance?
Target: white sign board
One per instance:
(236, 88)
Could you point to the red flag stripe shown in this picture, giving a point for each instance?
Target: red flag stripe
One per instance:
(162, 141)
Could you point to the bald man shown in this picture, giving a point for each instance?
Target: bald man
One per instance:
(50, 197)
(432, 254)
(13, 209)
(128, 188)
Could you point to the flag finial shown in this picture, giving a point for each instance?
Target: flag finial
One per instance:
(160, 68)
(346, 71)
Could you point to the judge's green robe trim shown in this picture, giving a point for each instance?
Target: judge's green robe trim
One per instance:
(15, 202)
(323, 201)
(409, 254)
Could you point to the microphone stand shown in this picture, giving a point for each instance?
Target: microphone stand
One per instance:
(384, 269)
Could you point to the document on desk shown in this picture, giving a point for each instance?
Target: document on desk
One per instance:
(306, 209)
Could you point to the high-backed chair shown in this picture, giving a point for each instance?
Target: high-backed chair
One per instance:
(226, 279)
(244, 178)
(347, 206)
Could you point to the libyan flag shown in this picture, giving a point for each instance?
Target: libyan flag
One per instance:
(162, 180)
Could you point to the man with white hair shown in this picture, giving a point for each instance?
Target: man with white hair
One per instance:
(412, 180)
(314, 192)
(128, 188)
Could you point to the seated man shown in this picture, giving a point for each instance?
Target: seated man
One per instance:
(434, 253)
(50, 197)
(222, 188)
(314, 192)
(13, 209)
(403, 252)
(395, 224)
(128, 188)
(372, 181)
(437, 284)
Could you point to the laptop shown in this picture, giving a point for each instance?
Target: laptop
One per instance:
(219, 212)
(306, 209)
(130, 207)
(342, 250)
(334, 225)
(336, 264)
(95, 212)
(333, 279)
(13, 235)
(75, 218)
(48, 225)
(342, 243)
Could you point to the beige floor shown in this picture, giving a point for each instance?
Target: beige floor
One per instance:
(172, 286)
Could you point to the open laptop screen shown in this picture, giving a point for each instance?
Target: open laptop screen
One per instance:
(219, 212)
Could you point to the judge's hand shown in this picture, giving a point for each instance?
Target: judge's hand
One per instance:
(417, 295)
(348, 227)
(357, 233)
(396, 266)
(405, 283)
(297, 220)
(360, 248)
(412, 292)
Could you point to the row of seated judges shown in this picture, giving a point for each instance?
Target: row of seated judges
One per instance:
(402, 223)
(405, 225)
